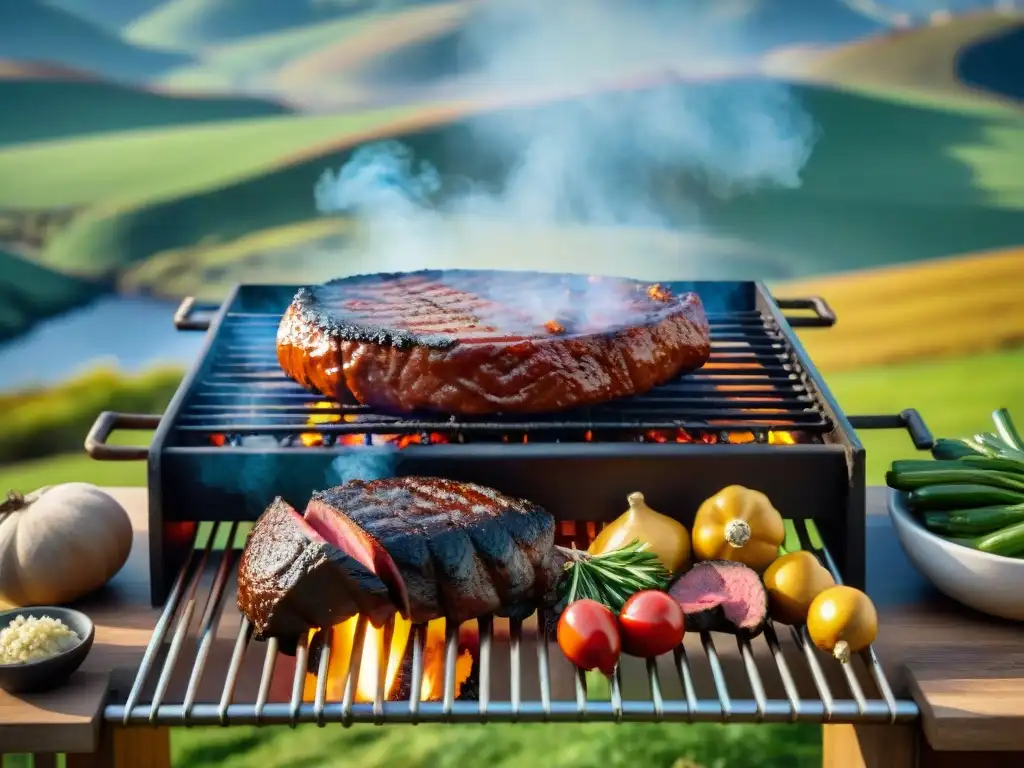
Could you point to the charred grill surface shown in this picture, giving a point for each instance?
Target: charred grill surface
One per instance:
(480, 342)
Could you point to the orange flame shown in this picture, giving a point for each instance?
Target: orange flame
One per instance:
(313, 438)
(659, 293)
(553, 326)
(374, 655)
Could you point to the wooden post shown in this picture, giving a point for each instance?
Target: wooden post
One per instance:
(869, 746)
(900, 746)
(138, 747)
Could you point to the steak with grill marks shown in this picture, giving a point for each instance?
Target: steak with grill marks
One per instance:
(292, 577)
(445, 548)
(479, 342)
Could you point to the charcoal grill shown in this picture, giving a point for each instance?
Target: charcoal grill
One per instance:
(238, 432)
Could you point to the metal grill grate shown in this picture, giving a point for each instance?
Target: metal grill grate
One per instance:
(752, 383)
(203, 670)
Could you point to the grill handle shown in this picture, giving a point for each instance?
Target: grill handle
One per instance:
(109, 422)
(908, 419)
(192, 317)
(823, 317)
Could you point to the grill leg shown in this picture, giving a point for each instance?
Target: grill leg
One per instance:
(900, 746)
(869, 746)
(128, 748)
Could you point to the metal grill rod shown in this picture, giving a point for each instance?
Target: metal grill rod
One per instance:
(725, 707)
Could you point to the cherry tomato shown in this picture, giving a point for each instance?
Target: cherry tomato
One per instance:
(652, 623)
(588, 635)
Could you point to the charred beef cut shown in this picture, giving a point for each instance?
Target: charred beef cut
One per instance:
(445, 548)
(722, 596)
(479, 342)
(291, 578)
(429, 548)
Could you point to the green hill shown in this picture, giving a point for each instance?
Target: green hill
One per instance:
(52, 109)
(191, 24)
(112, 14)
(33, 31)
(887, 182)
(257, 59)
(30, 293)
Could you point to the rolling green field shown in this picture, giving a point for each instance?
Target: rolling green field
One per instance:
(49, 109)
(885, 181)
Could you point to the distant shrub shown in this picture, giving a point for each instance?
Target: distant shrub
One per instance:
(43, 422)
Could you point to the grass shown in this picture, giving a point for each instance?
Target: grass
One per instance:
(938, 308)
(956, 397)
(499, 746)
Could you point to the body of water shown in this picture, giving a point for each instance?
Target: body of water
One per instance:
(130, 333)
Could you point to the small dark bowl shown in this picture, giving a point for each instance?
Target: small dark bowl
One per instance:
(52, 672)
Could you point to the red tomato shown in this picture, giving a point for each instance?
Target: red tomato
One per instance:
(652, 623)
(588, 635)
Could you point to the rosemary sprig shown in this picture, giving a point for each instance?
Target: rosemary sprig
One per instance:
(613, 577)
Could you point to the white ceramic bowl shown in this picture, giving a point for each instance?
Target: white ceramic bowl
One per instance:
(988, 583)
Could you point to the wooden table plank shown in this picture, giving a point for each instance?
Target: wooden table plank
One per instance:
(964, 669)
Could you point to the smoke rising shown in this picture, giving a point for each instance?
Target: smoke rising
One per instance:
(365, 463)
(637, 158)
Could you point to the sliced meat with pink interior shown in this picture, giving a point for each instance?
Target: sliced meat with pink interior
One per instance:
(292, 578)
(722, 596)
(364, 549)
(461, 549)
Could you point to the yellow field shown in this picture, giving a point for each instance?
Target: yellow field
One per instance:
(946, 307)
(917, 65)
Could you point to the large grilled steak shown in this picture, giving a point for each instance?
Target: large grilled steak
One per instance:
(480, 342)
(424, 546)
(291, 578)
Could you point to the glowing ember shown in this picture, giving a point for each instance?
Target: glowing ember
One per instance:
(313, 438)
(393, 659)
(659, 293)
(553, 326)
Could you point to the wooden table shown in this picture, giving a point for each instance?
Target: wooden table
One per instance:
(965, 671)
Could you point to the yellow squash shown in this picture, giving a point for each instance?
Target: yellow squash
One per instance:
(793, 581)
(842, 621)
(667, 538)
(738, 524)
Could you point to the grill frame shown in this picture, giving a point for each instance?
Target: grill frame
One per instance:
(830, 475)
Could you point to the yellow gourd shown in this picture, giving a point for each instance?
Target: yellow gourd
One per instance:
(738, 524)
(842, 621)
(792, 582)
(667, 538)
